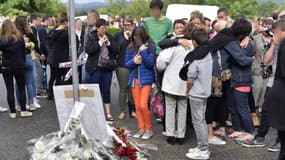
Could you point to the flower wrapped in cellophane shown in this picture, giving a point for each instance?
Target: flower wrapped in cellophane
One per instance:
(70, 144)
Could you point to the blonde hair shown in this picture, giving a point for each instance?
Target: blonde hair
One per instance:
(196, 14)
(229, 24)
(9, 31)
(220, 25)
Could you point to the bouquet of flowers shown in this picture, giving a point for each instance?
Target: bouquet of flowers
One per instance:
(127, 150)
(70, 144)
(73, 144)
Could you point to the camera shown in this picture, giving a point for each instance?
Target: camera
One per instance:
(269, 32)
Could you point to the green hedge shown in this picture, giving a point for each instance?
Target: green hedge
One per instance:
(113, 31)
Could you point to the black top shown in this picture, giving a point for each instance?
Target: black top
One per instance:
(43, 36)
(123, 44)
(276, 96)
(280, 68)
(13, 53)
(32, 39)
(35, 40)
(80, 42)
(93, 48)
(58, 47)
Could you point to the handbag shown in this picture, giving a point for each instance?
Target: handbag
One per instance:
(157, 104)
(217, 87)
(225, 74)
(108, 64)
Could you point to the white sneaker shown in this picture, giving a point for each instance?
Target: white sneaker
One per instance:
(12, 115)
(36, 100)
(30, 108)
(216, 141)
(18, 108)
(147, 135)
(36, 105)
(229, 123)
(2, 109)
(199, 155)
(139, 134)
(165, 134)
(193, 150)
(24, 114)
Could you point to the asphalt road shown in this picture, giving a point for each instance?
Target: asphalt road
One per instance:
(15, 133)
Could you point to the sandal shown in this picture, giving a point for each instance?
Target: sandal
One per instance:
(220, 132)
(234, 135)
(109, 117)
(122, 116)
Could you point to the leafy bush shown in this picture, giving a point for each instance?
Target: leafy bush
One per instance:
(113, 31)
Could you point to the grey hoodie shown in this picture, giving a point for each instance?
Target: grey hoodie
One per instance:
(201, 72)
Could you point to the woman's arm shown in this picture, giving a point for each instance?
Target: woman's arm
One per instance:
(167, 43)
(148, 57)
(129, 59)
(238, 54)
(269, 54)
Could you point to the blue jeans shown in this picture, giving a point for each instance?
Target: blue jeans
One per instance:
(30, 81)
(84, 73)
(240, 112)
(44, 75)
(104, 79)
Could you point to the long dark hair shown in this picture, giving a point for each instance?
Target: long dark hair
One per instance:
(22, 25)
(146, 39)
(62, 20)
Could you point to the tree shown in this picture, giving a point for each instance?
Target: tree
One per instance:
(25, 7)
(115, 8)
(238, 7)
(267, 8)
(139, 8)
(282, 7)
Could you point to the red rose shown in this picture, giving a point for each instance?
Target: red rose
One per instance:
(130, 151)
(133, 157)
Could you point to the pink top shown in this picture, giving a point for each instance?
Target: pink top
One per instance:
(245, 89)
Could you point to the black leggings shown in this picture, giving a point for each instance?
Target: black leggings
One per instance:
(217, 107)
(57, 77)
(282, 141)
(19, 75)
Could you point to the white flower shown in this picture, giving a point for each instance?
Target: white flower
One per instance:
(36, 156)
(59, 134)
(39, 146)
(87, 154)
(51, 157)
(67, 156)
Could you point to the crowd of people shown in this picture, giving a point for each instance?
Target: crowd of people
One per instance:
(214, 71)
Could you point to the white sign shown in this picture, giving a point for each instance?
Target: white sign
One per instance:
(92, 117)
